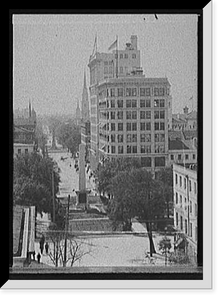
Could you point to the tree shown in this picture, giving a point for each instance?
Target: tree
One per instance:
(109, 169)
(149, 201)
(32, 181)
(165, 175)
(137, 194)
(69, 136)
(121, 206)
(31, 193)
(165, 246)
(77, 248)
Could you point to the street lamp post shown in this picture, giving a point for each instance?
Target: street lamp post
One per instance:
(53, 196)
(66, 232)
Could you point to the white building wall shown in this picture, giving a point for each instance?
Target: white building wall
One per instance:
(22, 148)
(185, 204)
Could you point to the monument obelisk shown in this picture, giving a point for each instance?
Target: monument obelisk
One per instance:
(82, 176)
(82, 193)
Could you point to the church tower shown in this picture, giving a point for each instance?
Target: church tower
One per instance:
(78, 113)
(84, 103)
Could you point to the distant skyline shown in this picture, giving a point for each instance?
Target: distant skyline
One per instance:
(51, 53)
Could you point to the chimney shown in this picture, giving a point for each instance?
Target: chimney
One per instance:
(134, 41)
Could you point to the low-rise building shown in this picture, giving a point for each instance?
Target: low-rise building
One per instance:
(182, 147)
(185, 121)
(24, 137)
(185, 191)
(19, 148)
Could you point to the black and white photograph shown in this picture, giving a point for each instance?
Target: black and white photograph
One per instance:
(107, 148)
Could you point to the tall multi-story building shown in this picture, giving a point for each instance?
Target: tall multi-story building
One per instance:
(129, 112)
(185, 209)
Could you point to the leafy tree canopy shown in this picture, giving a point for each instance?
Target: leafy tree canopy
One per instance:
(68, 134)
(109, 169)
(32, 181)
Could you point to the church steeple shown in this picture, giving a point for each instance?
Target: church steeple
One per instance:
(30, 111)
(84, 102)
(85, 84)
(78, 113)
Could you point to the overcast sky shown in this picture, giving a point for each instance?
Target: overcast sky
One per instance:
(51, 52)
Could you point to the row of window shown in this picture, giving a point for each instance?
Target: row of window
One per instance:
(183, 225)
(133, 91)
(121, 56)
(132, 137)
(19, 151)
(180, 156)
(133, 115)
(144, 126)
(110, 69)
(182, 182)
(132, 103)
(133, 149)
(146, 161)
(179, 200)
(126, 55)
(158, 126)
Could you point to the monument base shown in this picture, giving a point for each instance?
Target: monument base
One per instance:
(82, 199)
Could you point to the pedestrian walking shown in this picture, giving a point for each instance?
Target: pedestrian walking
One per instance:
(41, 246)
(38, 257)
(46, 247)
(41, 243)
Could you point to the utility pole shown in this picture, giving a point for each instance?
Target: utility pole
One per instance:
(66, 232)
(53, 195)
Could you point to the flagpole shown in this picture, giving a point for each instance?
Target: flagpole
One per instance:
(116, 56)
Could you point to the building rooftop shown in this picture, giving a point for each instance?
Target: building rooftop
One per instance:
(183, 117)
(189, 134)
(24, 144)
(134, 78)
(174, 134)
(192, 115)
(177, 145)
(22, 129)
(178, 120)
(187, 167)
(24, 121)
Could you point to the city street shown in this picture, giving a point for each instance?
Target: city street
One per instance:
(100, 250)
(68, 174)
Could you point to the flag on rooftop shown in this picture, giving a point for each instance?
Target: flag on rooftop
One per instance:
(113, 45)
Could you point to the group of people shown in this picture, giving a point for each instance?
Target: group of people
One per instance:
(42, 245)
